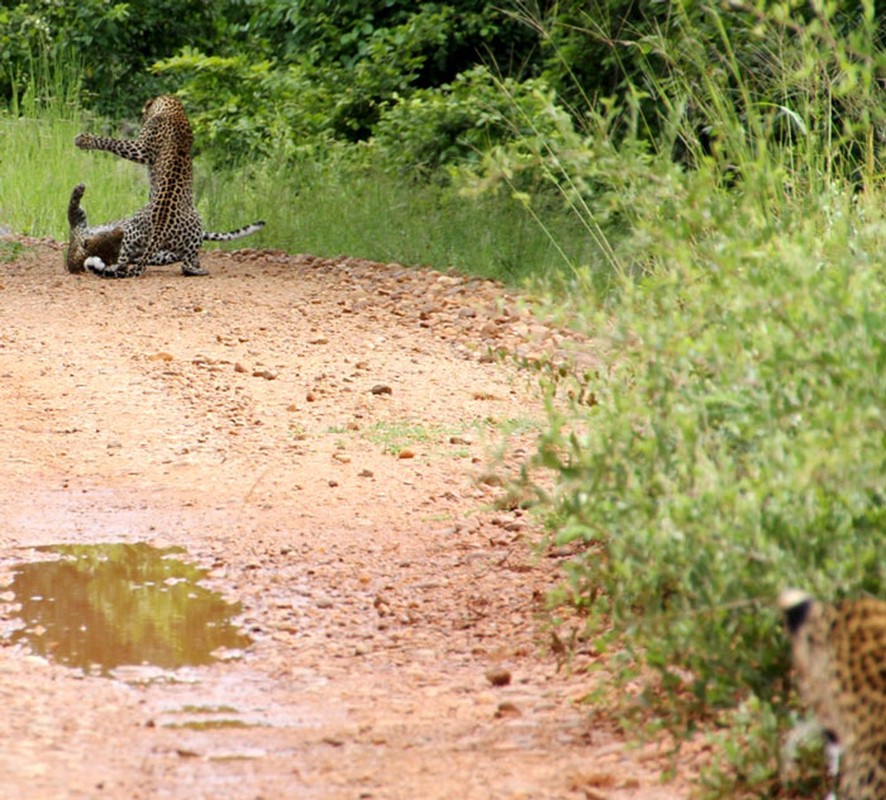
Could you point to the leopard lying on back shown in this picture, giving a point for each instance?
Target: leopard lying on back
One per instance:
(99, 246)
(168, 228)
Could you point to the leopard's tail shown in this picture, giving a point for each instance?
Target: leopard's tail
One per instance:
(209, 236)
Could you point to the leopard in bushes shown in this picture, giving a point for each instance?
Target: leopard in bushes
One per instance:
(839, 655)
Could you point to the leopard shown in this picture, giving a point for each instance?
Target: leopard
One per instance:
(839, 657)
(168, 228)
(100, 244)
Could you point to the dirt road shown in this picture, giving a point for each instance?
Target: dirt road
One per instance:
(317, 435)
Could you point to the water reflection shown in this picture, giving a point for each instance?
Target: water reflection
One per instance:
(98, 607)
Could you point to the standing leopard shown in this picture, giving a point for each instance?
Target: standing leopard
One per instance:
(169, 224)
(839, 654)
(100, 244)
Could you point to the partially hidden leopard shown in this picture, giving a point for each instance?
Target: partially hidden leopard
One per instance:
(168, 229)
(100, 244)
(839, 655)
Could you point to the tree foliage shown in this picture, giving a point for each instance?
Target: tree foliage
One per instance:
(114, 43)
(291, 78)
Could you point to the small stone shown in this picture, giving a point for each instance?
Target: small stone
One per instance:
(498, 676)
(366, 473)
(162, 356)
(238, 367)
(507, 709)
(406, 453)
(319, 340)
(323, 602)
(381, 388)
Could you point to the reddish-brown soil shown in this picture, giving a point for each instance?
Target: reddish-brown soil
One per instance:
(235, 416)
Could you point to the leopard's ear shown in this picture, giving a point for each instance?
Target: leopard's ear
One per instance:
(796, 605)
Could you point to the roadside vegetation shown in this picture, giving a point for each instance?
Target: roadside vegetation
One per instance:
(697, 186)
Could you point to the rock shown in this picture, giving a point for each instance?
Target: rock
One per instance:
(498, 676)
(381, 388)
(507, 709)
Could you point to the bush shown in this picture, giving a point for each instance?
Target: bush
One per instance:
(735, 446)
(114, 43)
(454, 125)
(734, 443)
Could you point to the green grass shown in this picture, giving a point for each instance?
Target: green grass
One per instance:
(335, 210)
(39, 166)
(394, 437)
(10, 252)
(325, 210)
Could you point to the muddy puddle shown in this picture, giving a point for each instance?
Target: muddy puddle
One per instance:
(101, 607)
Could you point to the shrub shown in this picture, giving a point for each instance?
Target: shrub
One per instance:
(734, 443)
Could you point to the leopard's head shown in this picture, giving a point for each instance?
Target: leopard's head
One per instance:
(164, 105)
(167, 120)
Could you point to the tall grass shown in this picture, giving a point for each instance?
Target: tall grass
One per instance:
(39, 166)
(333, 209)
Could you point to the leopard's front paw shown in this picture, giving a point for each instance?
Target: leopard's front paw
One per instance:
(95, 265)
